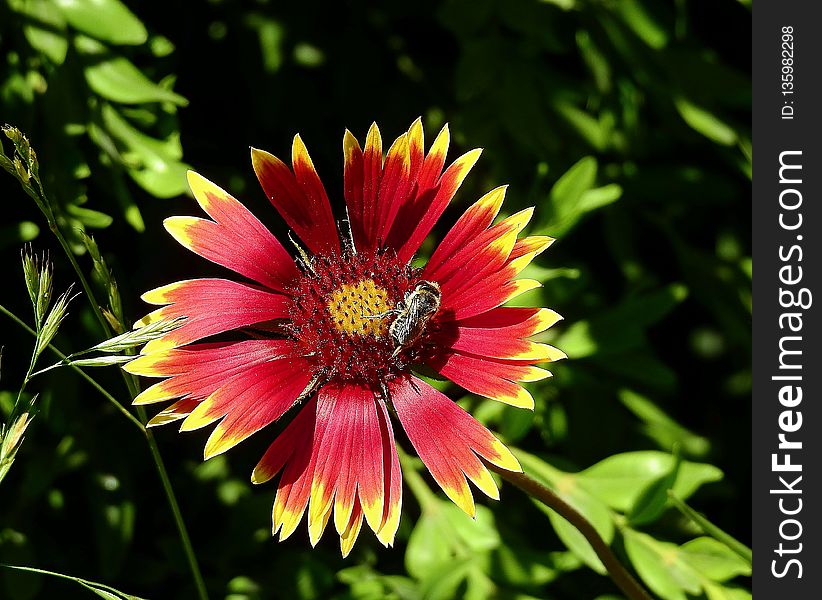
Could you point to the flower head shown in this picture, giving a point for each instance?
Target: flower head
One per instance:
(331, 340)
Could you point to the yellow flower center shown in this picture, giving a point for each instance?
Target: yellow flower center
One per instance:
(351, 305)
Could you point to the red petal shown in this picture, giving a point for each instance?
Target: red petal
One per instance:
(392, 505)
(448, 439)
(493, 290)
(417, 218)
(469, 227)
(299, 197)
(350, 458)
(395, 186)
(492, 344)
(489, 378)
(295, 450)
(211, 306)
(349, 534)
(416, 147)
(479, 258)
(435, 161)
(500, 334)
(508, 316)
(372, 177)
(237, 240)
(179, 410)
(250, 401)
(198, 370)
(353, 188)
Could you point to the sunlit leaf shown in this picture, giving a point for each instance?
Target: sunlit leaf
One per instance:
(153, 163)
(119, 80)
(106, 20)
(660, 566)
(89, 217)
(427, 547)
(619, 479)
(741, 550)
(567, 487)
(720, 592)
(705, 122)
(713, 559)
(45, 30)
(643, 23)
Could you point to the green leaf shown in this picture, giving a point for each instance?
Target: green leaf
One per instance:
(50, 39)
(705, 122)
(719, 592)
(119, 80)
(574, 540)
(577, 180)
(89, 217)
(738, 547)
(594, 131)
(643, 24)
(154, 164)
(660, 566)
(427, 546)
(622, 328)
(515, 424)
(479, 534)
(153, 152)
(443, 581)
(101, 592)
(661, 427)
(598, 197)
(517, 565)
(573, 196)
(714, 559)
(563, 4)
(444, 532)
(593, 509)
(619, 479)
(654, 497)
(106, 20)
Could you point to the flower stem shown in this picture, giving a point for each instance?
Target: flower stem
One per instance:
(83, 281)
(620, 575)
(79, 371)
(155, 455)
(178, 517)
(133, 388)
(97, 588)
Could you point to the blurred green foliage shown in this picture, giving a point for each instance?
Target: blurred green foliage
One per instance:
(625, 122)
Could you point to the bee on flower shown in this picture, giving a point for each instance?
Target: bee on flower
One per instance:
(330, 342)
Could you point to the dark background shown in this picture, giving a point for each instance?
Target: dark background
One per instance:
(641, 111)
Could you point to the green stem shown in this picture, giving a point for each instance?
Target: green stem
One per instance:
(155, 455)
(94, 586)
(178, 518)
(83, 281)
(618, 573)
(57, 365)
(44, 206)
(29, 373)
(709, 528)
(79, 371)
(133, 388)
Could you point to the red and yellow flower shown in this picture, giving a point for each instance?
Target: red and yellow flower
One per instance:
(312, 337)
